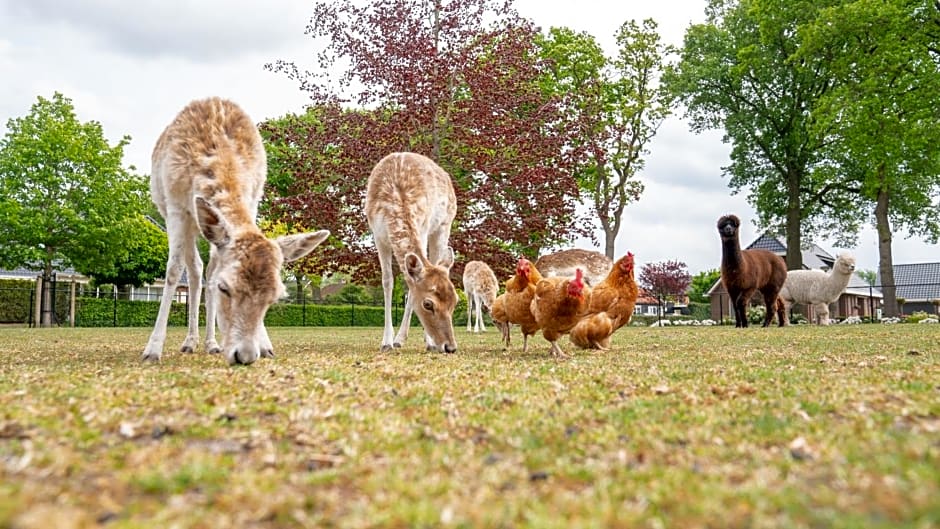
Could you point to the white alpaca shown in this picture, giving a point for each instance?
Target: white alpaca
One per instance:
(480, 285)
(410, 205)
(207, 178)
(817, 288)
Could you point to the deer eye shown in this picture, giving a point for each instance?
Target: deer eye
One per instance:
(428, 305)
(223, 288)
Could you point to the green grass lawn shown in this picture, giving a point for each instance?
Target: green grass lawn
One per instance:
(674, 427)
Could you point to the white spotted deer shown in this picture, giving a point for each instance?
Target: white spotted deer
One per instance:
(410, 205)
(208, 174)
(480, 285)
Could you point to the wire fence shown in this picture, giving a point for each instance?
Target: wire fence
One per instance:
(75, 304)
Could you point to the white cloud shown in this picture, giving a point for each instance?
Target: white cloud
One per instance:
(133, 65)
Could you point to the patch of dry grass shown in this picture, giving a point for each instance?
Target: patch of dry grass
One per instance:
(685, 427)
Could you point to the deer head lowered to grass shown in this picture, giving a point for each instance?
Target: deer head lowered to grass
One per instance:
(410, 205)
(208, 175)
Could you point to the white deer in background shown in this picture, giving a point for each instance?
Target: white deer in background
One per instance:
(410, 205)
(208, 175)
(480, 285)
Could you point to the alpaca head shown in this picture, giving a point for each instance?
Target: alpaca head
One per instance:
(845, 263)
(728, 227)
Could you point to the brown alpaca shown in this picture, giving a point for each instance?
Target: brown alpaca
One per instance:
(745, 272)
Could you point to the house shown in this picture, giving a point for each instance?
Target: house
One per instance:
(919, 285)
(859, 299)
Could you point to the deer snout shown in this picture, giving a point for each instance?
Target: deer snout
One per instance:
(449, 348)
(244, 354)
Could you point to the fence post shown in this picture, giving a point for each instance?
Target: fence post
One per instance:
(29, 309)
(303, 310)
(72, 304)
(352, 313)
(114, 307)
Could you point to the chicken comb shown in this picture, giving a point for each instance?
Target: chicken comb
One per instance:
(576, 285)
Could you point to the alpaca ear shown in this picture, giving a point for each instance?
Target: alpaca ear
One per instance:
(212, 224)
(294, 247)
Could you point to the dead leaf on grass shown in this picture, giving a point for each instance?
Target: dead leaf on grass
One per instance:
(13, 430)
(662, 389)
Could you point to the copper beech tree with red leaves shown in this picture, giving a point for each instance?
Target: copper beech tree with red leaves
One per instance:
(666, 280)
(457, 81)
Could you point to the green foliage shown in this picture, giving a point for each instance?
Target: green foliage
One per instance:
(109, 312)
(618, 105)
(15, 300)
(64, 195)
(756, 313)
(147, 250)
(917, 316)
(700, 310)
(701, 283)
(737, 73)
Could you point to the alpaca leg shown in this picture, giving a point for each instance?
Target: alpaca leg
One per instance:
(783, 312)
(770, 308)
(823, 313)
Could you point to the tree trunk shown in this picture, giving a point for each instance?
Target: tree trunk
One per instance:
(610, 236)
(885, 260)
(794, 234)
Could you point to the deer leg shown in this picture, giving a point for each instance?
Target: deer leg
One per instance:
(212, 307)
(174, 269)
(388, 285)
(469, 312)
(194, 277)
(402, 335)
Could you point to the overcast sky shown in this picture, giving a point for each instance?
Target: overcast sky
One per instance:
(133, 65)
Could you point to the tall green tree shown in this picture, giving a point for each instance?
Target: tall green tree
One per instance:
(457, 80)
(618, 105)
(144, 260)
(882, 114)
(65, 197)
(737, 72)
(701, 283)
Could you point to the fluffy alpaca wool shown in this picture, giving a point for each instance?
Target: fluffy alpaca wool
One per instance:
(816, 288)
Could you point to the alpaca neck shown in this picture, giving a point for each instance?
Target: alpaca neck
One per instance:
(731, 254)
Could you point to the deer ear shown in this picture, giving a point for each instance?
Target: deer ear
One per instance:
(414, 267)
(294, 247)
(212, 224)
(447, 260)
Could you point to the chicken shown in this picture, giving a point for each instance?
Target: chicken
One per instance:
(520, 289)
(500, 318)
(558, 305)
(612, 303)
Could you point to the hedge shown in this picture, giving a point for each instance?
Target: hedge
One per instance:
(17, 301)
(104, 312)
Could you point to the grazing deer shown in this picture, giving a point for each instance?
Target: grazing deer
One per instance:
(481, 286)
(208, 175)
(594, 265)
(410, 205)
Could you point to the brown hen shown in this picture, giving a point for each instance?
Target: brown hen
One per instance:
(612, 303)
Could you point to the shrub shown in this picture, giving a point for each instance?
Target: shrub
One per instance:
(917, 316)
